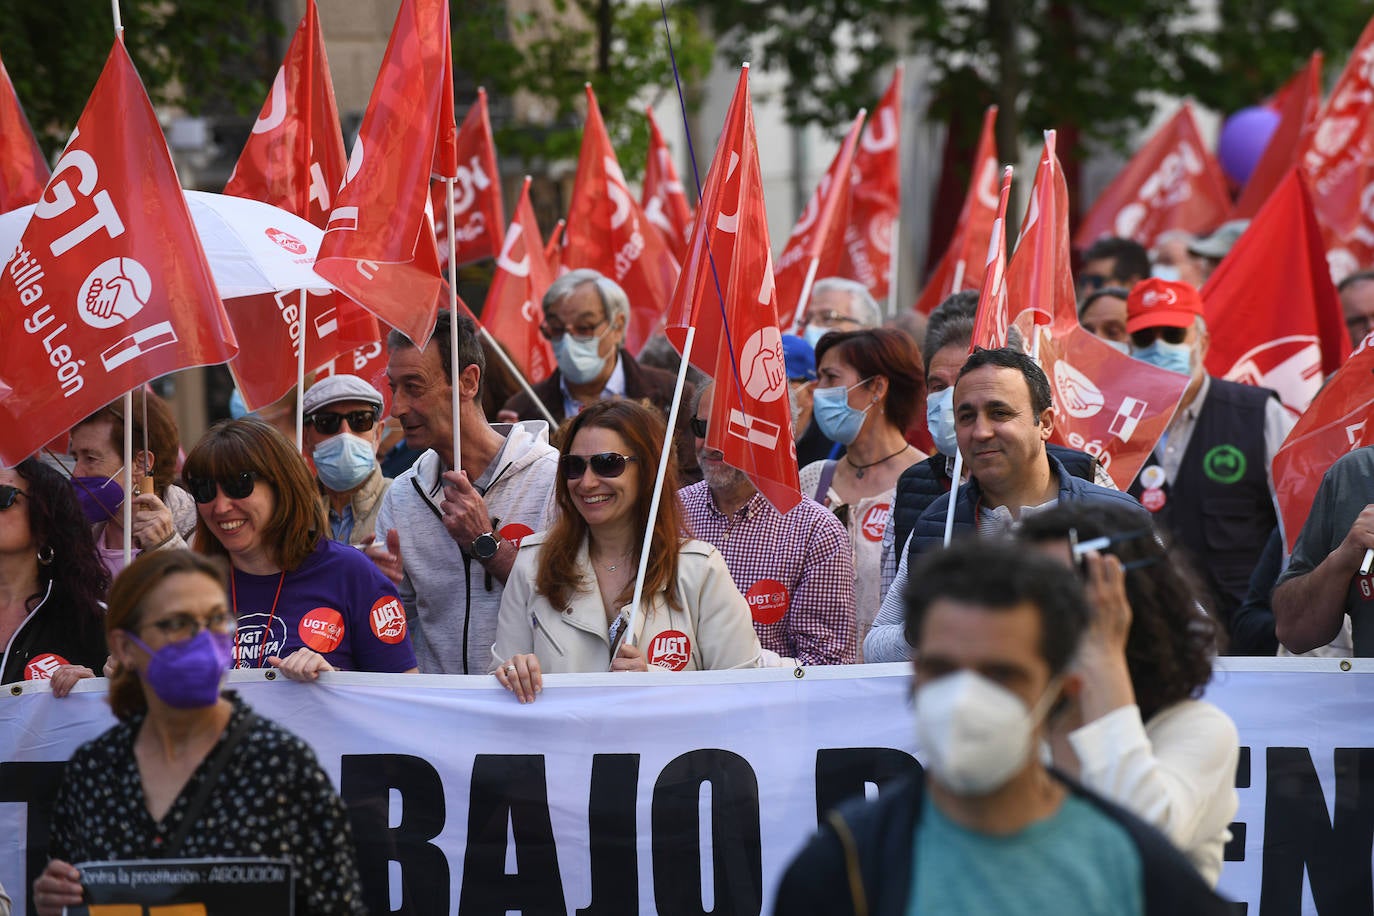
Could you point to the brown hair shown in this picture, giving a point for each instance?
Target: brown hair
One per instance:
(891, 354)
(128, 602)
(643, 429)
(163, 439)
(298, 521)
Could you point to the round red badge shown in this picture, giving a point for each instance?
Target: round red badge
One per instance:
(768, 600)
(388, 620)
(670, 649)
(322, 629)
(875, 521)
(1366, 584)
(1153, 500)
(41, 667)
(515, 532)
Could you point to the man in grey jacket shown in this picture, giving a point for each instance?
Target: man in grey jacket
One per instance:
(452, 532)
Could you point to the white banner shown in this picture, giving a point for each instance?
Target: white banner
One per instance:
(688, 793)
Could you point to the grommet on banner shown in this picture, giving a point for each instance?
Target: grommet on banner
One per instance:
(799, 672)
(17, 690)
(1345, 664)
(270, 675)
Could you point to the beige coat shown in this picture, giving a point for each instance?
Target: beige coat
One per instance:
(715, 631)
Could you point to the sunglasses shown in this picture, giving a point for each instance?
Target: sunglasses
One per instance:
(1146, 336)
(604, 465)
(327, 424)
(240, 486)
(8, 495)
(698, 427)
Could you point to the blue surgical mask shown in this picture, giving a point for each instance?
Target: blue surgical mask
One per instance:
(1165, 272)
(837, 420)
(344, 461)
(1119, 346)
(579, 359)
(940, 421)
(813, 333)
(1174, 357)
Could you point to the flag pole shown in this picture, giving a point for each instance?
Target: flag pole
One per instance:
(453, 327)
(664, 457)
(893, 264)
(957, 283)
(953, 494)
(519, 376)
(300, 378)
(119, 33)
(128, 472)
(805, 293)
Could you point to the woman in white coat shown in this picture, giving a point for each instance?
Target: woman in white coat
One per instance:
(567, 597)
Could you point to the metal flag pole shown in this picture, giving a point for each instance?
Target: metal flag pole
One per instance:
(128, 470)
(449, 184)
(300, 378)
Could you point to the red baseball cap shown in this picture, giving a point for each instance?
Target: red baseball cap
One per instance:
(1156, 303)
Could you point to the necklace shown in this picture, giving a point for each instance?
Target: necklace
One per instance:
(860, 468)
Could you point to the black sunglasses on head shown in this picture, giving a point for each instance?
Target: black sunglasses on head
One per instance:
(604, 465)
(239, 486)
(8, 495)
(327, 424)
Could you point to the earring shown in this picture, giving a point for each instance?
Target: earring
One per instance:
(45, 555)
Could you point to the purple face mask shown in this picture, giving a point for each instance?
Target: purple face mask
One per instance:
(186, 675)
(100, 497)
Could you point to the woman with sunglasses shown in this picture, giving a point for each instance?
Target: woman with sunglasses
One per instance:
(190, 772)
(870, 387)
(51, 581)
(1136, 730)
(304, 603)
(566, 601)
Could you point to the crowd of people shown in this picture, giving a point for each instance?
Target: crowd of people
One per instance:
(512, 549)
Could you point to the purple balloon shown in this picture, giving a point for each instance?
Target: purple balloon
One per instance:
(1243, 139)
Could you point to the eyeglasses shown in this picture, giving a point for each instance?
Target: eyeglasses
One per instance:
(554, 332)
(605, 465)
(327, 423)
(240, 486)
(698, 427)
(1092, 281)
(829, 318)
(1146, 336)
(179, 627)
(8, 495)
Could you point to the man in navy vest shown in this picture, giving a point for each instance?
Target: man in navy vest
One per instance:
(1208, 482)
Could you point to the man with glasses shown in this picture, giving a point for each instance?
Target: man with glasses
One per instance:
(838, 304)
(1208, 482)
(1112, 261)
(342, 428)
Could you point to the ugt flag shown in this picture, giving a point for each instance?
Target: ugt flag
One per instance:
(875, 195)
(513, 310)
(23, 170)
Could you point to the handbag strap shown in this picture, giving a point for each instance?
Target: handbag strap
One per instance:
(827, 475)
(217, 763)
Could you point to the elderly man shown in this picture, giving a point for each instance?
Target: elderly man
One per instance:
(453, 523)
(838, 304)
(1208, 482)
(342, 428)
(796, 570)
(986, 827)
(1209, 252)
(1357, 302)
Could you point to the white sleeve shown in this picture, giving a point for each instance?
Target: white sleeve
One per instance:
(886, 639)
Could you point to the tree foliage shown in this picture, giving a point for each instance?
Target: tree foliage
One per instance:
(203, 55)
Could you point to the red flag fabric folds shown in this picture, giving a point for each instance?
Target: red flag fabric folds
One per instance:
(608, 231)
(736, 320)
(993, 315)
(664, 201)
(1275, 318)
(819, 232)
(23, 170)
(961, 267)
(379, 247)
(1173, 182)
(1039, 281)
(478, 213)
(875, 195)
(513, 310)
(1297, 104)
(109, 287)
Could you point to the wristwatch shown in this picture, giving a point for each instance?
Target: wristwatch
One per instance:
(485, 546)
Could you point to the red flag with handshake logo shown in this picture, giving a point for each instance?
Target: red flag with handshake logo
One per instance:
(294, 159)
(108, 288)
(875, 195)
(23, 170)
(727, 293)
(379, 247)
(1174, 182)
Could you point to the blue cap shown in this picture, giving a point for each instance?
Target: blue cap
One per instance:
(799, 357)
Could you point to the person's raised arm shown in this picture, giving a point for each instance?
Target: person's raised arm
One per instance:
(1310, 603)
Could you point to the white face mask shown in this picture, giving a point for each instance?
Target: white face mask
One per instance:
(973, 734)
(580, 359)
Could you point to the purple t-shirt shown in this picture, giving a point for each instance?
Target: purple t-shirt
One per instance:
(336, 602)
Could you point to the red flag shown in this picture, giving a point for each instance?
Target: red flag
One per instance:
(379, 246)
(1338, 166)
(608, 231)
(553, 248)
(990, 326)
(664, 201)
(108, 288)
(23, 170)
(961, 266)
(478, 213)
(1297, 104)
(875, 195)
(1339, 420)
(1275, 318)
(1174, 182)
(818, 236)
(294, 159)
(1039, 281)
(751, 416)
(513, 310)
